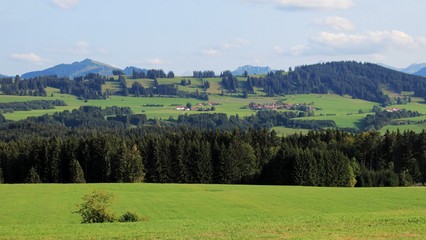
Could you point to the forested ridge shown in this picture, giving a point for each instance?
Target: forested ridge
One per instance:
(359, 80)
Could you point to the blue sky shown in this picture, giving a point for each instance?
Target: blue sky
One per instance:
(187, 35)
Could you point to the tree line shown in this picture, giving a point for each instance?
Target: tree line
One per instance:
(83, 146)
(10, 107)
(85, 87)
(381, 118)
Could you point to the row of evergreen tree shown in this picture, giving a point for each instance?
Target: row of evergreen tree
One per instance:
(9, 107)
(190, 155)
(85, 87)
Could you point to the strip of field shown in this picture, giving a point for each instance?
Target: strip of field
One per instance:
(345, 111)
(217, 212)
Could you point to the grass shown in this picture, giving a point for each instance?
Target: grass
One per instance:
(284, 131)
(332, 104)
(418, 128)
(217, 212)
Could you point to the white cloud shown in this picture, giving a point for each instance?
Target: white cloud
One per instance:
(374, 43)
(65, 4)
(28, 58)
(336, 23)
(278, 49)
(299, 50)
(308, 4)
(155, 61)
(211, 52)
(340, 40)
(236, 43)
(81, 48)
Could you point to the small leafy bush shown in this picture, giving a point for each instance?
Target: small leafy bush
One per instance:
(129, 217)
(95, 208)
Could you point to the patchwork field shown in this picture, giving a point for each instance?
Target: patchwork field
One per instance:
(345, 111)
(217, 212)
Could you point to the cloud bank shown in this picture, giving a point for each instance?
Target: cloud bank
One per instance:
(368, 43)
(28, 58)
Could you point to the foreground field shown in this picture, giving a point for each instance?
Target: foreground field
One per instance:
(217, 212)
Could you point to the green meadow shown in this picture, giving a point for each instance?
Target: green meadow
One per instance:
(45, 211)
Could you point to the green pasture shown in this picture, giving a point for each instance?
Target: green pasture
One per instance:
(217, 212)
(342, 121)
(418, 105)
(331, 103)
(412, 127)
(284, 131)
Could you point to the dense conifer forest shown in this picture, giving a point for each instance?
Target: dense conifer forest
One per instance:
(86, 145)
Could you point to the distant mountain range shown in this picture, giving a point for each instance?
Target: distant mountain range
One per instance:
(91, 66)
(414, 68)
(418, 69)
(421, 72)
(3, 76)
(74, 69)
(81, 68)
(251, 70)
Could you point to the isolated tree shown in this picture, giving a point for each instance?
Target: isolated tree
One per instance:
(189, 105)
(170, 74)
(245, 94)
(95, 207)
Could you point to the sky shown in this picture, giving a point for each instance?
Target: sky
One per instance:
(188, 35)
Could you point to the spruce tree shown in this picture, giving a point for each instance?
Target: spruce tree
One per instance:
(76, 172)
(32, 176)
(1, 176)
(134, 169)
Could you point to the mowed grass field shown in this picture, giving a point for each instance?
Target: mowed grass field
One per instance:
(217, 212)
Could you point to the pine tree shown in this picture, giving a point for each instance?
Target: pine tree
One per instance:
(33, 176)
(247, 163)
(134, 169)
(204, 163)
(76, 172)
(1, 176)
(179, 154)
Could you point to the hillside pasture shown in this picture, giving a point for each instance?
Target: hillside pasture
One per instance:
(45, 211)
(344, 110)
